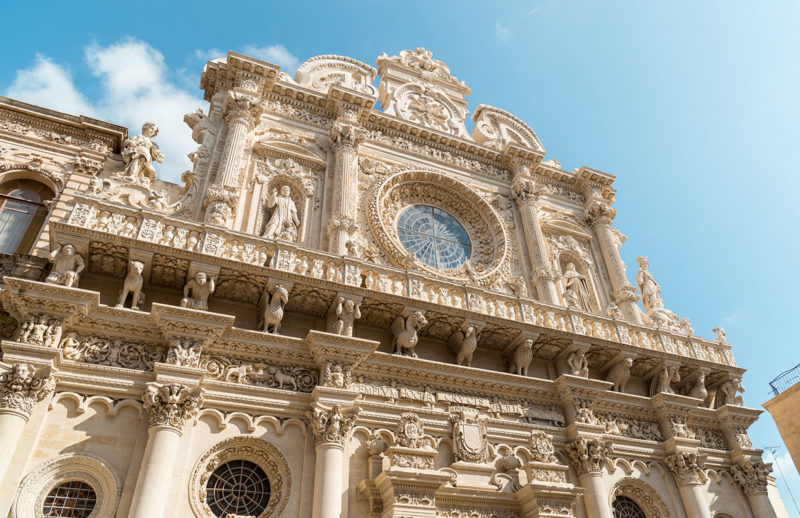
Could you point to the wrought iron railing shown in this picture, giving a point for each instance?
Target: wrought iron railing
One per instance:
(785, 380)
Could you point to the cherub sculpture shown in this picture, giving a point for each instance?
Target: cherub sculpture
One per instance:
(197, 291)
(67, 266)
(139, 153)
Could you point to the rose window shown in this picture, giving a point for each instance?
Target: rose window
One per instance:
(435, 237)
(238, 487)
(74, 499)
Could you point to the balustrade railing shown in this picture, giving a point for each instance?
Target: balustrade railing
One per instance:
(785, 380)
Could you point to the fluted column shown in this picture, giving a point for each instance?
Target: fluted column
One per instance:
(345, 137)
(599, 214)
(587, 457)
(170, 407)
(20, 389)
(331, 429)
(526, 196)
(241, 115)
(687, 468)
(752, 476)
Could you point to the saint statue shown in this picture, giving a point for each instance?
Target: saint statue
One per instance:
(67, 266)
(283, 223)
(651, 291)
(139, 153)
(576, 283)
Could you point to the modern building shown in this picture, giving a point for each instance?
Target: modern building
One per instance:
(785, 410)
(351, 306)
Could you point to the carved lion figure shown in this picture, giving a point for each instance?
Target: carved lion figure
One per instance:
(133, 286)
(619, 374)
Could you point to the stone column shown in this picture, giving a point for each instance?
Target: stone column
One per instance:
(526, 196)
(345, 137)
(241, 115)
(752, 476)
(20, 389)
(170, 406)
(599, 214)
(330, 428)
(687, 467)
(587, 457)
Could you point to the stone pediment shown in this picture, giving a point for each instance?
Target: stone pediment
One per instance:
(498, 128)
(321, 72)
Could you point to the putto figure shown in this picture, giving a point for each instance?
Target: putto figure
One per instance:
(139, 153)
(283, 223)
(67, 266)
(197, 291)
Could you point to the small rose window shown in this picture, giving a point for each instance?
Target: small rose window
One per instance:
(434, 237)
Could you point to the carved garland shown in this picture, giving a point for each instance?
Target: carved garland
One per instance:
(490, 244)
(262, 453)
(644, 496)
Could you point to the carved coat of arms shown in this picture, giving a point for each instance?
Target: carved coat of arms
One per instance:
(469, 436)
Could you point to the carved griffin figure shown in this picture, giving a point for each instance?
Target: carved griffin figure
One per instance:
(523, 355)
(273, 309)
(405, 333)
(463, 344)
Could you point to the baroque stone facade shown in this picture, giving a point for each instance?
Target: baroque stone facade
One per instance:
(352, 306)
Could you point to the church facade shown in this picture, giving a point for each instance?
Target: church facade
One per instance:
(351, 306)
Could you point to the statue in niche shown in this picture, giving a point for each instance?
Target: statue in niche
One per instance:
(139, 153)
(67, 266)
(342, 316)
(578, 364)
(283, 223)
(274, 304)
(197, 291)
(132, 286)
(619, 375)
(576, 288)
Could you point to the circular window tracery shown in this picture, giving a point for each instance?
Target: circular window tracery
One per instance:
(238, 487)
(434, 236)
(625, 507)
(73, 499)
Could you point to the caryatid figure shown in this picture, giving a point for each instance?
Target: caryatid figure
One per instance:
(67, 266)
(139, 153)
(284, 222)
(197, 291)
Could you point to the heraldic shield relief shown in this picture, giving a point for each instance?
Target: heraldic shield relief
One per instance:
(469, 435)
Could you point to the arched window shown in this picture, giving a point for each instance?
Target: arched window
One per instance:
(22, 213)
(625, 507)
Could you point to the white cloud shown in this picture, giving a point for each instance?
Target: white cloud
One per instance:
(275, 54)
(135, 88)
(502, 32)
(535, 10)
(47, 84)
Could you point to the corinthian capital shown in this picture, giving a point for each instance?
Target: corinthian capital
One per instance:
(172, 404)
(524, 190)
(345, 135)
(331, 426)
(687, 467)
(598, 211)
(752, 476)
(588, 455)
(21, 388)
(242, 108)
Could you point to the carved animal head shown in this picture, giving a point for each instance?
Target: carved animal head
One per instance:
(136, 268)
(417, 320)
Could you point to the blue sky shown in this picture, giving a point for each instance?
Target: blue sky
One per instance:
(694, 106)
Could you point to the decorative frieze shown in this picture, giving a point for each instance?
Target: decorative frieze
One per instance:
(112, 351)
(235, 370)
(40, 330)
(172, 405)
(22, 387)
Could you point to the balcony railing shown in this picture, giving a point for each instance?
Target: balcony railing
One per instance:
(785, 380)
